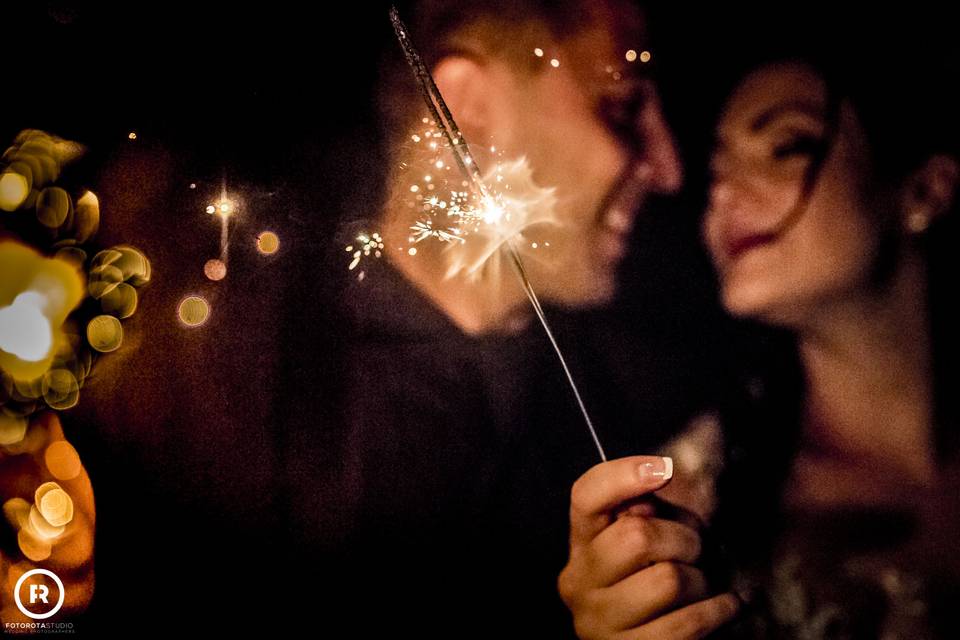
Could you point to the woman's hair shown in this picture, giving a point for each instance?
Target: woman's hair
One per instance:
(897, 74)
(897, 71)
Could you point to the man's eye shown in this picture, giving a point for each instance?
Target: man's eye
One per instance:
(801, 146)
(622, 115)
(618, 111)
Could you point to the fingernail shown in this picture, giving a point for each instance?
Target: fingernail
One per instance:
(659, 469)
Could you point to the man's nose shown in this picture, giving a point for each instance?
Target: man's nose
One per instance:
(659, 157)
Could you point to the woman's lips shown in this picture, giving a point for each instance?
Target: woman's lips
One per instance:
(735, 246)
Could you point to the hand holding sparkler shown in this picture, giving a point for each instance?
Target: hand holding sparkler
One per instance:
(631, 572)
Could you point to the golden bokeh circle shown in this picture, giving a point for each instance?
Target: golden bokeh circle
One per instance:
(268, 243)
(104, 333)
(193, 311)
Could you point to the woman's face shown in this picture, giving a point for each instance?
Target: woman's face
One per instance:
(778, 263)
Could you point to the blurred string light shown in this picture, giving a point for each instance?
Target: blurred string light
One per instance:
(39, 524)
(48, 339)
(632, 56)
(193, 311)
(36, 296)
(268, 243)
(12, 429)
(215, 269)
(225, 208)
(62, 460)
(14, 189)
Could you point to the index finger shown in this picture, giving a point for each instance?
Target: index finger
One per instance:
(601, 489)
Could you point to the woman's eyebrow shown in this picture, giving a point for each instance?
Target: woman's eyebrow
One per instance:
(808, 108)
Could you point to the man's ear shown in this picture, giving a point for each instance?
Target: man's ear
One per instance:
(469, 87)
(929, 192)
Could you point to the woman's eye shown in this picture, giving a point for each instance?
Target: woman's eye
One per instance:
(804, 146)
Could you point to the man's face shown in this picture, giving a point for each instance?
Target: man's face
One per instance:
(592, 128)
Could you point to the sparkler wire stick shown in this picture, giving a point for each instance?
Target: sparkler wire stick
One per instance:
(444, 119)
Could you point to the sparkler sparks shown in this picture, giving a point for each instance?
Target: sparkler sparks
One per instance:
(369, 243)
(423, 229)
(491, 204)
(515, 208)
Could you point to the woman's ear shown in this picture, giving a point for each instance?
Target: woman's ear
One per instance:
(929, 192)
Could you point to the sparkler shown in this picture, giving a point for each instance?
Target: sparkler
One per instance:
(224, 209)
(468, 167)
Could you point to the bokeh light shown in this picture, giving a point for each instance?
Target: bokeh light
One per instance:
(55, 505)
(62, 460)
(14, 189)
(12, 429)
(32, 546)
(215, 269)
(268, 243)
(193, 311)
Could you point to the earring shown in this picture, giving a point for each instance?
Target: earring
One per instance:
(917, 223)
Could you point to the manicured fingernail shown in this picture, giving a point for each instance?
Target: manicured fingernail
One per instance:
(658, 469)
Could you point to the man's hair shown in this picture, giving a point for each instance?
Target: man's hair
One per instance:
(504, 29)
